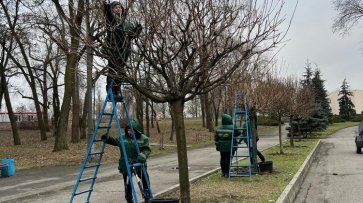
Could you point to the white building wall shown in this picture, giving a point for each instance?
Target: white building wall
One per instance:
(357, 100)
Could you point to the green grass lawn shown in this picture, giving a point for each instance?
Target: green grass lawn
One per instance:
(265, 187)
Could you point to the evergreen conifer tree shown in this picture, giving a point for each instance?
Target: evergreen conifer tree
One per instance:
(346, 106)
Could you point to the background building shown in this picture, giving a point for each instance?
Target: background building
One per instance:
(357, 100)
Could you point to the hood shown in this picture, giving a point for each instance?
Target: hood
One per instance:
(226, 119)
(135, 125)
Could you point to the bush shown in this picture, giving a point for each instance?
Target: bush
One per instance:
(357, 118)
(338, 119)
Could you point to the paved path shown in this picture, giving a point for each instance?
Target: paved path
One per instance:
(336, 171)
(55, 184)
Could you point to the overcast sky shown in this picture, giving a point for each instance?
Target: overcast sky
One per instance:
(311, 38)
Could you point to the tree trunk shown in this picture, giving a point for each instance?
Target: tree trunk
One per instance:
(280, 136)
(208, 113)
(83, 122)
(253, 120)
(61, 141)
(56, 106)
(139, 109)
(42, 129)
(172, 130)
(147, 118)
(202, 106)
(75, 110)
(45, 101)
(14, 127)
(291, 133)
(177, 109)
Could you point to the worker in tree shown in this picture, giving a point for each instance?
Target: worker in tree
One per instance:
(133, 157)
(223, 140)
(117, 45)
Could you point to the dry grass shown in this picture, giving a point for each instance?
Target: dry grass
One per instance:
(35, 153)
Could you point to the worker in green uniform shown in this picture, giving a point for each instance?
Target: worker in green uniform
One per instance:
(133, 156)
(117, 44)
(223, 141)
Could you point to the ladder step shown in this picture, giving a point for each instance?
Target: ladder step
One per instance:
(241, 156)
(87, 179)
(108, 114)
(92, 166)
(82, 192)
(97, 140)
(240, 128)
(103, 127)
(96, 153)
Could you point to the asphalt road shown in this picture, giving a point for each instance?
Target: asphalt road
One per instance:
(55, 184)
(336, 174)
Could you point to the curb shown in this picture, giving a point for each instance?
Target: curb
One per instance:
(291, 190)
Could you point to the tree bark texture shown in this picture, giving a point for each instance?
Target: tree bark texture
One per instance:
(14, 127)
(177, 109)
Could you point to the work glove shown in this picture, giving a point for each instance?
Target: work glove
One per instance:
(141, 158)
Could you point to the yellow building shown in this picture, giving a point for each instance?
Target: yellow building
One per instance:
(357, 100)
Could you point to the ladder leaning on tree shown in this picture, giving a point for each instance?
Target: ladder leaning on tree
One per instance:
(242, 153)
(92, 160)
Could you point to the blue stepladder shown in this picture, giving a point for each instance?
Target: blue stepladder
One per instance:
(242, 153)
(86, 180)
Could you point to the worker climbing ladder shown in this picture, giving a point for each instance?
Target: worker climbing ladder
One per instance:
(242, 153)
(92, 160)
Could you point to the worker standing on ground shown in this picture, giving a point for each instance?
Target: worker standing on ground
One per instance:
(223, 140)
(133, 157)
(117, 45)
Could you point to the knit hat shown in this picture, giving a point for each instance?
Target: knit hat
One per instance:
(114, 3)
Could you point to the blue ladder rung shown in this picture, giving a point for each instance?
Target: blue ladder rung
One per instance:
(108, 114)
(96, 153)
(87, 179)
(82, 192)
(103, 127)
(97, 140)
(92, 166)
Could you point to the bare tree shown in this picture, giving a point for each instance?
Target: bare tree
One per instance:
(19, 29)
(5, 73)
(349, 14)
(186, 42)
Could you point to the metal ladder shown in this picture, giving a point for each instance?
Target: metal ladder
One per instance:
(241, 145)
(92, 161)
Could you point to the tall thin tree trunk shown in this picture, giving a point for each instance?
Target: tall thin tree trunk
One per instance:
(172, 130)
(291, 133)
(14, 127)
(208, 113)
(202, 104)
(177, 109)
(253, 119)
(45, 101)
(75, 110)
(147, 118)
(139, 109)
(280, 136)
(61, 141)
